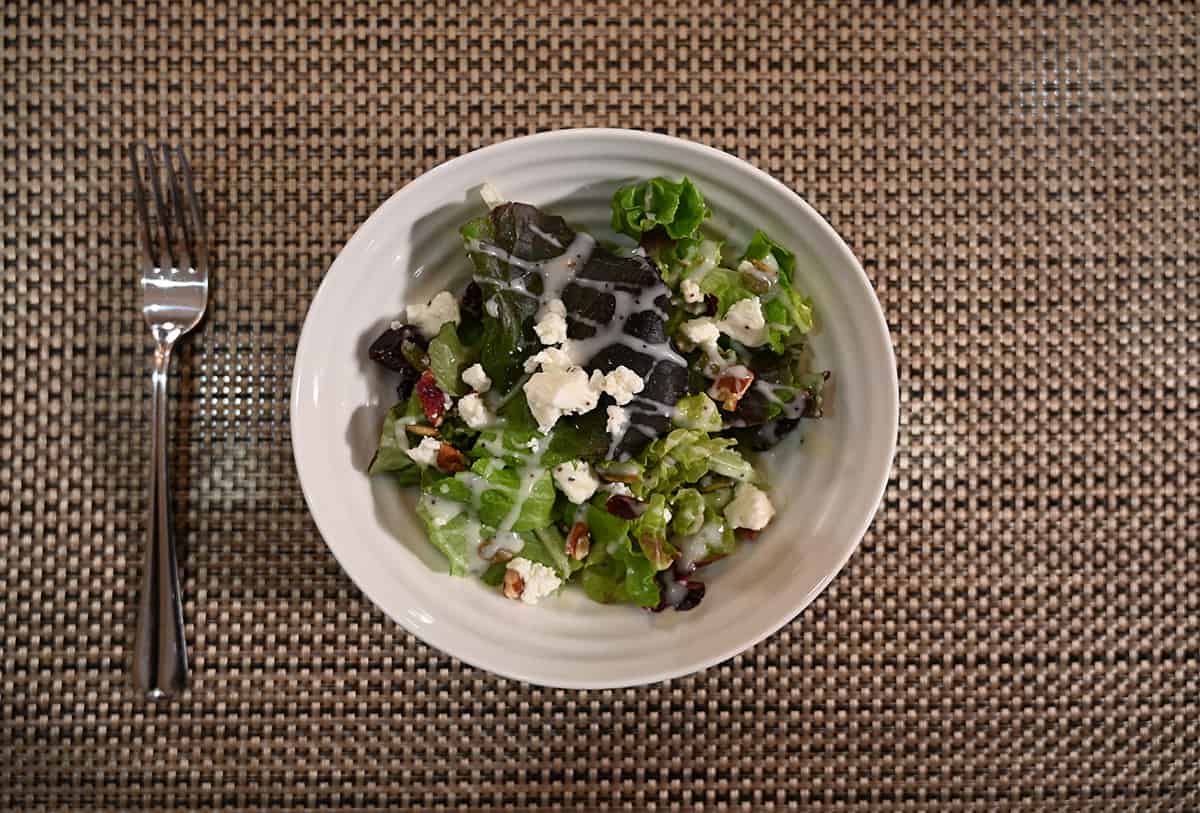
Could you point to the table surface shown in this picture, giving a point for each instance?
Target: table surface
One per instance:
(1019, 629)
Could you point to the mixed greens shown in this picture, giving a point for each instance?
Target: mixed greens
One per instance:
(584, 413)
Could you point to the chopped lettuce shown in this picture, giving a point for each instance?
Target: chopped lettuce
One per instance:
(691, 257)
(391, 456)
(727, 286)
(688, 509)
(548, 546)
(650, 531)
(686, 455)
(697, 412)
(678, 208)
(448, 358)
(614, 571)
(495, 489)
(760, 246)
(456, 535)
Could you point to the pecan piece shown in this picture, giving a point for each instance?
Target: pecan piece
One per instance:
(514, 585)
(493, 554)
(579, 541)
(422, 430)
(450, 460)
(731, 385)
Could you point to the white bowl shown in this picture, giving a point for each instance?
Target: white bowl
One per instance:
(826, 489)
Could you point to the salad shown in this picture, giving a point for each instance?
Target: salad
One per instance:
(588, 413)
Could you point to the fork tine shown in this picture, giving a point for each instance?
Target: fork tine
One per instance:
(143, 214)
(198, 233)
(167, 259)
(183, 246)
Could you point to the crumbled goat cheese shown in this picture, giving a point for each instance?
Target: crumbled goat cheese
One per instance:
(575, 479)
(750, 508)
(426, 453)
(429, 318)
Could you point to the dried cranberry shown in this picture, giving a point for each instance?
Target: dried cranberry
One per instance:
(433, 400)
(625, 507)
(711, 304)
(471, 305)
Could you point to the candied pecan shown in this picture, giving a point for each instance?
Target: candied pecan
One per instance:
(579, 541)
(731, 385)
(514, 585)
(450, 460)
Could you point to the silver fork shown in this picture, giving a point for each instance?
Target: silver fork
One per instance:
(174, 295)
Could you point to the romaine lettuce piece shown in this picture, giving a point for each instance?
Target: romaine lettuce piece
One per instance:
(678, 208)
(697, 412)
(394, 442)
(727, 286)
(650, 531)
(688, 512)
(448, 358)
(686, 455)
(761, 245)
(494, 488)
(456, 535)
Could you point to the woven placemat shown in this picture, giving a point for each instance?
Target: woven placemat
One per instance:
(1021, 626)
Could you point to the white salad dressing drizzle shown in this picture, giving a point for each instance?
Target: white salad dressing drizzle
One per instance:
(556, 272)
(529, 475)
(625, 305)
(503, 540)
(675, 591)
(790, 409)
(549, 238)
(694, 548)
(400, 433)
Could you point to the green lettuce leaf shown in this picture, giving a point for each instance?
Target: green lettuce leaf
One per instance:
(614, 571)
(508, 335)
(697, 412)
(727, 286)
(650, 531)
(688, 509)
(457, 538)
(547, 546)
(686, 455)
(394, 442)
(783, 306)
(688, 257)
(678, 208)
(448, 358)
(499, 487)
(761, 245)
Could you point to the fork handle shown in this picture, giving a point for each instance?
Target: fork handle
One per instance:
(160, 652)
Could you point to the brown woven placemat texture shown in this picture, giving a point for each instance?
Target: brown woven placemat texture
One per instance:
(1020, 627)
